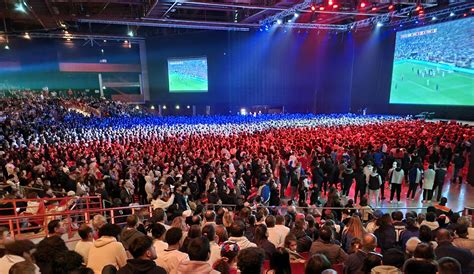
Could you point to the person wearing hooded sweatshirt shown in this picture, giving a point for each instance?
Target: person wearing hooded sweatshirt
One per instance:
(396, 178)
(375, 181)
(107, 250)
(130, 232)
(143, 252)
(347, 179)
(199, 252)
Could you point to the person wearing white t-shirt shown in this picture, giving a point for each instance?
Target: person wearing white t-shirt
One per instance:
(158, 232)
(209, 231)
(170, 258)
(275, 235)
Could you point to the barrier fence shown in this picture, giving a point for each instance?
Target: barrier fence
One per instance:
(23, 222)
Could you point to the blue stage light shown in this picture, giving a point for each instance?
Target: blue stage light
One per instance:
(279, 22)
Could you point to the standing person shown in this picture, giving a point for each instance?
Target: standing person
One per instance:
(283, 179)
(428, 183)
(361, 184)
(414, 177)
(458, 166)
(171, 257)
(199, 251)
(347, 179)
(396, 179)
(375, 181)
(440, 175)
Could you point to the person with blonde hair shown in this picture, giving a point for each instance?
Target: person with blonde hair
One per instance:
(354, 229)
(228, 219)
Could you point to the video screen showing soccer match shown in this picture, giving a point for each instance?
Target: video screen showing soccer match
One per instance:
(187, 75)
(434, 65)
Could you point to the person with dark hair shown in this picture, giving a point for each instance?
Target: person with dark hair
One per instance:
(280, 262)
(447, 249)
(462, 240)
(414, 178)
(442, 208)
(143, 253)
(354, 262)
(56, 228)
(275, 236)
(199, 251)
(158, 232)
(107, 250)
(47, 249)
(193, 233)
(87, 240)
(221, 232)
(371, 261)
(448, 265)
(228, 262)
(250, 260)
(440, 176)
(291, 246)
(23, 267)
(392, 262)
(237, 235)
(261, 239)
(15, 252)
(386, 234)
(317, 264)
(172, 257)
(209, 231)
(411, 230)
(66, 262)
(423, 260)
(431, 222)
(159, 216)
(130, 232)
(325, 245)
(304, 241)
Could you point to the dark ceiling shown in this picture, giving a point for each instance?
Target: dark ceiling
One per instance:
(152, 17)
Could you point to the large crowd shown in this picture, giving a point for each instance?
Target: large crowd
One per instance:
(254, 171)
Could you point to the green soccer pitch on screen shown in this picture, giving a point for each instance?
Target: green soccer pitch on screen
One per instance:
(187, 74)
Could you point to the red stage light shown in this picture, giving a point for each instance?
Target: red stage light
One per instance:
(330, 2)
(390, 7)
(321, 8)
(472, 10)
(465, 14)
(374, 9)
(362, 5)
(418, 8)
(335, 6)
(313, 8)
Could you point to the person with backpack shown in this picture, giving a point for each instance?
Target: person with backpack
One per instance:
(375, 181)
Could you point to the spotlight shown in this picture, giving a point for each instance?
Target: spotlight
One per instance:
(374, 9)
(362, 4)
(27, 35)
(176, 107)
(401, 25)
(279, 21)
(68, 39)
(335, 6)
(418, 8)
(452, 14)
(243, 111)
(20, 7)
(379, 24)
(390, 7)
(105, 41)
(137, 107)
(188, 106)
(164, 106)
(296, 15)
(7, 47)
(313, 8)
(416, 22)
(126, 41)
(472, 9)
(433, 18)
(152, 107)
(130, 33)
(321, 8)
(289, 20)
(330, 3)
(102, 50)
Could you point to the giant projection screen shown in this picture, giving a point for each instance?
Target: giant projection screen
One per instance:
(187, 74)
(434, 65)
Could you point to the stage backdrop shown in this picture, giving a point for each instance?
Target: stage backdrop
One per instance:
(304, 72)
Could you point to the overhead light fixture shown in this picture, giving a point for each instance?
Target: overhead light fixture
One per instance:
(279, 21)
(188, 106)
(130, 33)
(176, 107)
(296, 15)
(313, 8)
(152, 107)
(433, 18)
(362, 4)
(390, 7)
(321, 8)
(20, 7)
(164, 106)
(335, 6)
(27, 35)
(379, 24)
(7, 47)
(452, 14)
